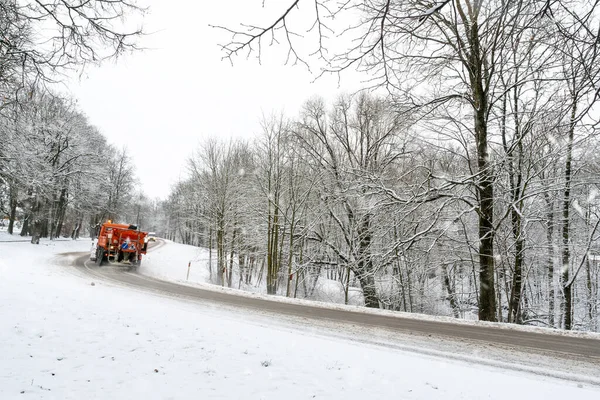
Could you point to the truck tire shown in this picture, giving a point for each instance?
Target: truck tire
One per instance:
(99, 256)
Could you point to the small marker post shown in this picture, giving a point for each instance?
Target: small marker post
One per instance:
(188, 273)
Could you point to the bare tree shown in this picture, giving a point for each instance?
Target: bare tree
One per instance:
(271, 180)
(218, 170)
(428, 56)
(43, 38)
(358, 140)
(40, 41)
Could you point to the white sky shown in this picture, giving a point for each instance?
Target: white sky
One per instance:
(162, 102)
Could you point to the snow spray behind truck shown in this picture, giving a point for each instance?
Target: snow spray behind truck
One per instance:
(119, 243)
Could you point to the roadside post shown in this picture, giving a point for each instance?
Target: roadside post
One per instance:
(188, 273)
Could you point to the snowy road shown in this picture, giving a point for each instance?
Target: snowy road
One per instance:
(577, 348)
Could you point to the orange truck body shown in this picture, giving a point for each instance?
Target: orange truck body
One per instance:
(120, 242)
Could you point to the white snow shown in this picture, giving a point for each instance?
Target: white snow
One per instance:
(63, 336)
(169, 261)
(435, 7)
(592, 196)
(332, 291)
(15, 237)
(578, 208)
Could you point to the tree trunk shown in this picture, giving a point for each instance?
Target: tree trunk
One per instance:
(397, 271)
(516, 190)
(230, 275)
(13, 211)
(241, 266)
(210, 247)
(281, 237)
(485, 191)
(514, 314)
(77, 228)
(291, 255)
(450, 290)
(221, 254)
(35, 225)
(485, 179)
(261, 271)
(300, 262)
(272, 252)
(364, 270)
(25, 227)
(60, 212)
(42, 217)
(590, 292)
(409, 284)
(566, 256)
(550, 259)
(347, 285)
(251, 262)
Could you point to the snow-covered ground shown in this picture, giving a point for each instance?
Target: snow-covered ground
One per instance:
(170, 262)
(5, 237)
(64, 336)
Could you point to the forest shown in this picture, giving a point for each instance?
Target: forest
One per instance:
(462, 181)
(59, 176)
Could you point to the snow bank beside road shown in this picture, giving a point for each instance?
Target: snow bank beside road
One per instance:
(170, 262)
(63, 338)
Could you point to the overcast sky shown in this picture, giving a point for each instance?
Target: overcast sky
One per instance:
(161, 103)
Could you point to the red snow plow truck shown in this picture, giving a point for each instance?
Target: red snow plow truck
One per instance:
(119, 243)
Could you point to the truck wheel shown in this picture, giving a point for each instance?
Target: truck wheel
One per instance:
(99, 256)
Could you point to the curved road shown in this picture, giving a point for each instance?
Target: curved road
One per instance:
(585, 349)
